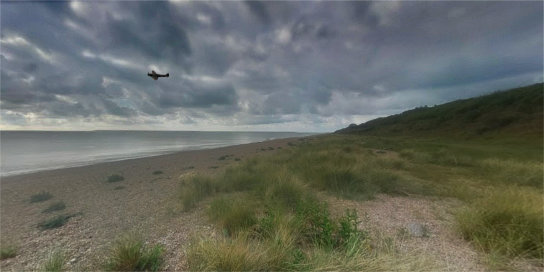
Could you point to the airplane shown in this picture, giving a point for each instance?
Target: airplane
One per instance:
(156, 76)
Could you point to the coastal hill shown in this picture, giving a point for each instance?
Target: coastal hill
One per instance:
(511, 113)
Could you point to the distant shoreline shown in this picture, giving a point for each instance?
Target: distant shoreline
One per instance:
(27, 152)
(123, 160)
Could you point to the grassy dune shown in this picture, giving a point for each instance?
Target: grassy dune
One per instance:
(272, 218)
(484, 151)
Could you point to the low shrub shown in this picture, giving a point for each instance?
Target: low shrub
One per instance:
(115, 178)
(40, 197)
(157, 172)
(57, 206)
(7, 251)
(55, 222)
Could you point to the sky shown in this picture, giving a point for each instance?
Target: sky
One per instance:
(255, 66)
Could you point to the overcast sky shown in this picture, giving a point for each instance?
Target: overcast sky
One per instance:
(276, 66)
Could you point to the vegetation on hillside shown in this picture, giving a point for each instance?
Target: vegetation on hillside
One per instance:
(516, 112)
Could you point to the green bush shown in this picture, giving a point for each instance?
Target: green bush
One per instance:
(157, 172)
(57, 206)
(129, 253)
(40, 197)
(55, 222)
(7, 251)
(115, 178)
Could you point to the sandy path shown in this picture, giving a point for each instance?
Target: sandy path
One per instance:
(146, 203)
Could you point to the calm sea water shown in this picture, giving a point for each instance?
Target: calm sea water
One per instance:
(30, 151)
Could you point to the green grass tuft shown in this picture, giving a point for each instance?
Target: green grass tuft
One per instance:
(115, 178)
(157, 172)
(195, 188)
(57, 206)
(40, 197)
(129, 253)
(55, 222)
(8, 251)
(233, 216)
(55, 262)
(508, 222)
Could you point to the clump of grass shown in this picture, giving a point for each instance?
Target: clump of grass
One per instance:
(237, 159)
(195, 188)
(507, 222)
(232, 216)
(214, 167)
(40, 197)
(513, 172)
(7, 251)
(115, 178)
(55, 262)
(119, 187)
(224, 157)
(236, 254)
(129, 253)
(157, 172)
(57, 206)
(55, 222)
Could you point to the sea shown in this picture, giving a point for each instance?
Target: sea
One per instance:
(31, 151)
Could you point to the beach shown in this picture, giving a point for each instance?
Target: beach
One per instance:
(145, 202)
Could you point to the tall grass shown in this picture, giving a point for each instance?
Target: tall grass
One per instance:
(508, 221)
(55, 262)
(232, 215)
(269, 210)
(501, 182)
(130, 253)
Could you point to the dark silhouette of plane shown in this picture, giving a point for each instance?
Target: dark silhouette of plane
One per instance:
(156, 76)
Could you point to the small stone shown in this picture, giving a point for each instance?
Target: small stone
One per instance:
(73, 260)
(417, 230)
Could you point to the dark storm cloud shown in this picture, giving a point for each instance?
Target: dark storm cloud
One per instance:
(200, 95)
(259, 10)
(257, 63)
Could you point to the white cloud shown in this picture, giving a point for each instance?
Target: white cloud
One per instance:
(16, 40)
(110, 59)
(283, 36)
(204, 18)
(78, 7)
(65, 99)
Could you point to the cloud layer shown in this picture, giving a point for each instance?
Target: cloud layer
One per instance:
(299, 66)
